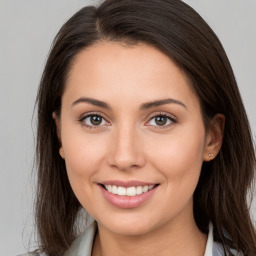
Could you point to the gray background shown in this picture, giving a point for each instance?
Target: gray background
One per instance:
(27, 28)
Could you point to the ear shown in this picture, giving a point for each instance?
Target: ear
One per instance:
(58, 131)
(214, 137)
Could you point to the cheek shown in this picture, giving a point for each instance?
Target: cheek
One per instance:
(179, 156)
(82, 158)
(84, 155)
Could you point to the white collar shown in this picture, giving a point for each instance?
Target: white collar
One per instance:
(209, 244)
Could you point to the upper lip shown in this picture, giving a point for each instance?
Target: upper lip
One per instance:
(126, 184)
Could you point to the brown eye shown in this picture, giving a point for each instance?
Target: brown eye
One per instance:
(161, 120)
(95, 120)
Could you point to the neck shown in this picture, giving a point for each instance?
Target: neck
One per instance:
(177, 239)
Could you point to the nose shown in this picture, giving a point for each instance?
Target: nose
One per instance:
(126, 149)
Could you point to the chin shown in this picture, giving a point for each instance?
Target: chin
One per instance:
(129, 230)
(129, 225)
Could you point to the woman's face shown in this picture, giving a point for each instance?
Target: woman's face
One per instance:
(130, 124)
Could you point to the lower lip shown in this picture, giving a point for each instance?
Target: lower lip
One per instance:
(127, 201)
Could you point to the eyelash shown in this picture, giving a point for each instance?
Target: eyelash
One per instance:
(171, 118)
(81, 120)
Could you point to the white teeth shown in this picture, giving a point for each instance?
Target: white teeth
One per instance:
(145, 189)
(139, 190)
(114, 189)
(109, 188)
(130, 191)
(121, 191)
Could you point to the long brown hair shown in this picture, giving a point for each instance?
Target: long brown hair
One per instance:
(177, 30)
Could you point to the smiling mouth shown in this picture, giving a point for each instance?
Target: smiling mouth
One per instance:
(128, 191)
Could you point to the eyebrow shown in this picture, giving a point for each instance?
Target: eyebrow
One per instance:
(144, 106)
(91, 101)
(160, 103)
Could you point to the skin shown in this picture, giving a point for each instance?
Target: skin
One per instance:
(129, 144)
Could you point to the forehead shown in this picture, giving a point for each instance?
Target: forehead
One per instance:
(112, 69)
(103, 57)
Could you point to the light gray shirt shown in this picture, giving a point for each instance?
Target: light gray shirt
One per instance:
(82, 245)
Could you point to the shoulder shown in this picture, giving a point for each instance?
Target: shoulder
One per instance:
(218, 250)
(32, 254)
(82, 245)
(214, 248)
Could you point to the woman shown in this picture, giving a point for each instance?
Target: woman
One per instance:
(140, 123)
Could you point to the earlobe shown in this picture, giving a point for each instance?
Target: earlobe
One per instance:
(61, 152)
(210, 155)
(214, 137)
